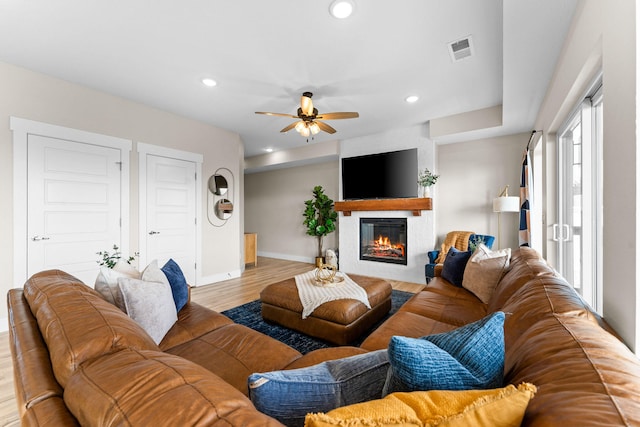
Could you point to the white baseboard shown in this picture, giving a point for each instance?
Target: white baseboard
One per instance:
(287, 257)
(207, 280)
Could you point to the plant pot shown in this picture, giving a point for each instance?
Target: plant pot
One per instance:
(319, 261)
(426, 191)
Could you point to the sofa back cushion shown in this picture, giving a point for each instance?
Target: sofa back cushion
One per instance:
(525, 264)
(583, 373)
(77, 324)
(151, 388)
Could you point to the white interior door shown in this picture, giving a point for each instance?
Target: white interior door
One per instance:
(73, 205)
(170, 219)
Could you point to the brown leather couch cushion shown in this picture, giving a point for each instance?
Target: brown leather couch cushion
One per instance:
(30, 368)
(233, 352)
(585, 375)
(194, 321)
(77, 324)
(151, 388)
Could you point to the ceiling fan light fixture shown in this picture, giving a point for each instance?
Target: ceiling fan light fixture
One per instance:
(314, 128)
(299, 126)
(341, 9)
(305, 131)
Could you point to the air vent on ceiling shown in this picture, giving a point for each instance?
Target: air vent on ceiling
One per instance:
(461, 49)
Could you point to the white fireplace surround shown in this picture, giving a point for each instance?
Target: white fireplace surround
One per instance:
(419, 241)
(420, 229)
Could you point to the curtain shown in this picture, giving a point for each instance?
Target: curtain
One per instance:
(524, 233)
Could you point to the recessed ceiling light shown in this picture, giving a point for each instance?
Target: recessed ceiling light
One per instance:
(411, 99)
(209, 82)
(341, 9)
(268, 150)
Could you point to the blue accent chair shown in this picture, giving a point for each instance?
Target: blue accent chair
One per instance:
(429, 269)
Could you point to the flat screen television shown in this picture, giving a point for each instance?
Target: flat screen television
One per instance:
(391, 175)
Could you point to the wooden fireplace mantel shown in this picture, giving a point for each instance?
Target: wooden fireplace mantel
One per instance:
(415, 205)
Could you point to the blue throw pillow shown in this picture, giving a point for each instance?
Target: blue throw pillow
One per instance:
(179, 286)
(454, 265)
(470, 357)
(289, 395)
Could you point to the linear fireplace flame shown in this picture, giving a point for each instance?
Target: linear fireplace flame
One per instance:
(383, 240)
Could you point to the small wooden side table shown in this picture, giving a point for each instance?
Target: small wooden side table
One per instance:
(251, 248)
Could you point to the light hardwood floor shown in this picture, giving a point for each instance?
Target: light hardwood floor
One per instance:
(218, 296)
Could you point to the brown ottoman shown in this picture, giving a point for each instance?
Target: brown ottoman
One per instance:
(340, 321)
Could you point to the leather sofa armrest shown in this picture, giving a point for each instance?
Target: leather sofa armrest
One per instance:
(437, 270)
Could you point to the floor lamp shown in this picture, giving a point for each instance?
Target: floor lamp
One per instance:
(505, 203)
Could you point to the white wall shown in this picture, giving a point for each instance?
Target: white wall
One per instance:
(38, 97)
(472, 175)
(603, 37)
(274, 204)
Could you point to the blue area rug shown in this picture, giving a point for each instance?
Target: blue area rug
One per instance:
(249, 314)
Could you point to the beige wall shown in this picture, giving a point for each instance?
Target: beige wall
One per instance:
(274, 203)
(603, 38)
(37, 97)
(472, 174)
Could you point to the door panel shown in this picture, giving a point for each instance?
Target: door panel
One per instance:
(73, 200)
(171, 212)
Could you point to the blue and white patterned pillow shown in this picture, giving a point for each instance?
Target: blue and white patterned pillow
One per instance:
(469, 357)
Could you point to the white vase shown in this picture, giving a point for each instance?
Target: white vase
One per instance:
(426, 191)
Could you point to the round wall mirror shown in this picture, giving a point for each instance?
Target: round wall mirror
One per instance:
(218, 185)
(223, 209)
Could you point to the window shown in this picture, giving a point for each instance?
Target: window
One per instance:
(578, 232)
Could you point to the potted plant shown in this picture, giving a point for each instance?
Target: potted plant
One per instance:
(425, 180)
(319, 218)
(110, 260)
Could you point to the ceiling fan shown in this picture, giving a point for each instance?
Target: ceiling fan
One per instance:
(310, 122)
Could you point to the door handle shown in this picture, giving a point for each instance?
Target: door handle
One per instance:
(567, 237)
(154, 232)
(38, 238)
(555, 233)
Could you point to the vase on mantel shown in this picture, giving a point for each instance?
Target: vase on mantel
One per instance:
(426, 191)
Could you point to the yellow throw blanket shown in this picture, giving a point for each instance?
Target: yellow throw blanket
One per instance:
(457, 239)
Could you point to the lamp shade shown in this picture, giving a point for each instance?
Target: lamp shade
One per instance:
(506, 204)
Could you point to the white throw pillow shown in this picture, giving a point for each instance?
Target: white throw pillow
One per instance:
(126, 269)
(484, 270)
(153, 273)
(107, 283)
(150, 304)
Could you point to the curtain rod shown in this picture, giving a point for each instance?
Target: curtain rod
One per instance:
(533, 132)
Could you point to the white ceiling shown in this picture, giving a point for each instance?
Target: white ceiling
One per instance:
(264, 54)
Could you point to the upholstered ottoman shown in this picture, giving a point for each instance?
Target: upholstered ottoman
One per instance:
(339, 322)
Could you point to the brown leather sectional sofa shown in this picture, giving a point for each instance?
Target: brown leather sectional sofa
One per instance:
(80, 360)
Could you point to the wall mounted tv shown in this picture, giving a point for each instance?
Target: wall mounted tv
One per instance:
(391, 175)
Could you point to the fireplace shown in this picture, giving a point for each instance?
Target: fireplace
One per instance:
(383, 240)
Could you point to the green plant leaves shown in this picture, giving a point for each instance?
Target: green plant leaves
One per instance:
(319, 216)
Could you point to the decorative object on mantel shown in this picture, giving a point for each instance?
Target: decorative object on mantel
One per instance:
(320, 218)
(505, 203)
(425, 180)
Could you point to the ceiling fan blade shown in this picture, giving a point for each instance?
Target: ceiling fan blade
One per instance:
(289, 127)
(306, 104)
(336, 116)
(277, 114)
(325, 127)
